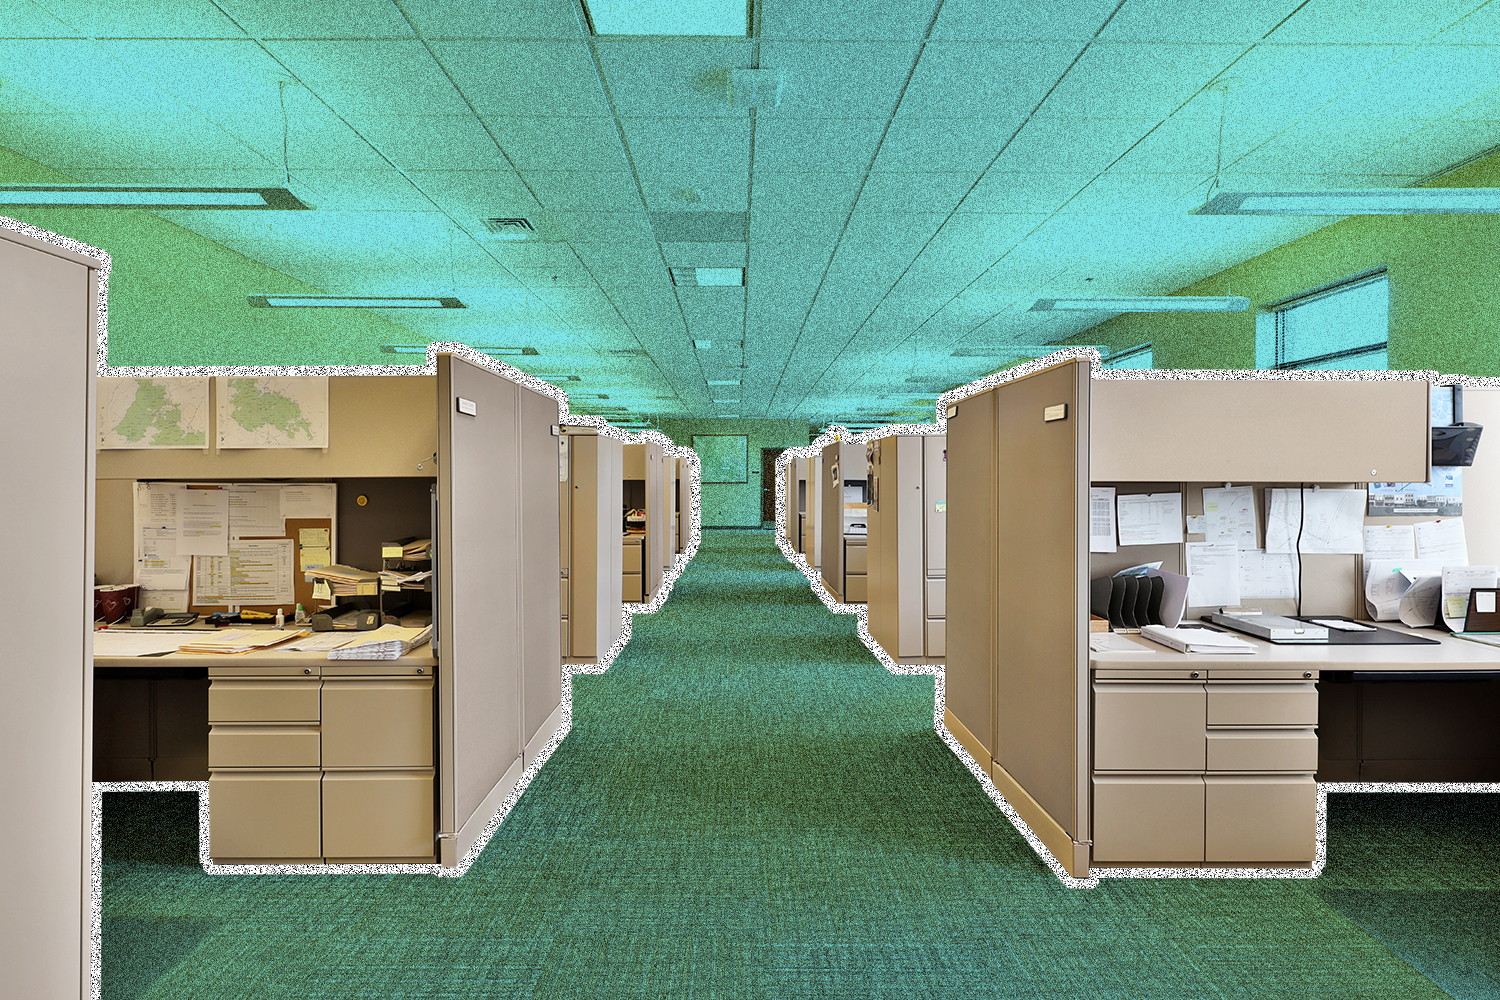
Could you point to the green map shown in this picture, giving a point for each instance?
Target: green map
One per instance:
(278, 411)
(153, 412)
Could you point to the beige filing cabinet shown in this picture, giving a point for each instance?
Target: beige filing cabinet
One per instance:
(49, 299)
(644, 466)
(632, 555)
(1020, 692)
(497, 688)
(313, 760)
(842, 462)
(906, 588)
(589, 490)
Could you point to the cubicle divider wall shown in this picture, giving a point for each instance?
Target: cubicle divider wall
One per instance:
(645, 547)
(842, 564)
(1139, 759)
(906, 591)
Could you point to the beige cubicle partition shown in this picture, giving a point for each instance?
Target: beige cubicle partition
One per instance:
(1108, 763)
(645, 554)
(842, 555)
(591, 553)
(906, 588)
(48, 298)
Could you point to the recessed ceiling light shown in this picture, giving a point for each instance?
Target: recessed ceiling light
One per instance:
(665, 17)
(1015, 350)
(1390, 201)
(1145, 303)
(144, 196)
(723, 381)
(703, 345)
(690, 277)
(354, 302)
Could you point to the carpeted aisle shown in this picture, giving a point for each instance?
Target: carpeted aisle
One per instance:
(749, 805)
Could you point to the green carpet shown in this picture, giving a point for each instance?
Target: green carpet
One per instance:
(749, 805)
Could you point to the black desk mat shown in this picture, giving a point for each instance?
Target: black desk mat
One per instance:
(1379, 637)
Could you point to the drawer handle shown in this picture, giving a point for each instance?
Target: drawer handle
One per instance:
(420, 669)
(1195, 675)
(1307, 675)
(307, 670)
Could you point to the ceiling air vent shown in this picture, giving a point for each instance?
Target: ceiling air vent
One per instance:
(629, 352)
(704, 276)
(510, 229)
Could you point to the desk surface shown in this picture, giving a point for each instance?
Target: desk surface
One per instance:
(289, 662)
(1449, 654)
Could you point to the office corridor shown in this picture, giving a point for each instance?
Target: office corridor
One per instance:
(749, 805)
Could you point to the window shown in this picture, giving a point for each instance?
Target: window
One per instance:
(1341, 326)
(1138, 356)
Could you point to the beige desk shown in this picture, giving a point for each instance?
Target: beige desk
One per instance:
(308, 759)
(1213, 759)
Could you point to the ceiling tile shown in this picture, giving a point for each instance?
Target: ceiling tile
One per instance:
(182, 140)
(704, 254)
(1353, 22)
(559, 143)
(819, 228)
(25, 19)
(1127, 193)
(144, 18)
(1071, 146)
(1175, 21)
(1005, 191)
(345, 19)
(1486, 108)
(1292, 80)
(1003, 81)
(372, 77)
(1324, 143)
(799, 145)
(1123, 80)
(604, 227)
(979, 20)
(474, 195)
(501, 77)
(361, 190)
(221, 78)
(495, 18)
(838, 79)
(78, 76)
(431, 142)
(944, 143)
(926, 192)
(836, 20)
(64, 141)
(661, 78)
(805, 192)
(1432, 149)
(1191, 145)
(587, 191)
(677, 191)
(1428, 84)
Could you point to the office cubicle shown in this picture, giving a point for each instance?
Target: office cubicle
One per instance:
(591, 480)
(1020, 694)
(907, 544)
(645, 540)
(841, 529)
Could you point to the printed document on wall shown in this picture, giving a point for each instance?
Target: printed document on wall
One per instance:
(203, 523)
(1334, 521)
(257, 571)
(160, 571)
(1390, 541)
(1267, 574)
(1213, 574)
(1101, 519)
(1443, 540)
(1150, 518)
(1229, 515)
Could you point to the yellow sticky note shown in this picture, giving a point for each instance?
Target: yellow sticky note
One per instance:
(313, 557)
(313, 538)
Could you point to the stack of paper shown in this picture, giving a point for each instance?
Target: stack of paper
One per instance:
(1196, 640)
(240, 641)
(406, 549)
(389, 642)
(393, 580)
(347, 581)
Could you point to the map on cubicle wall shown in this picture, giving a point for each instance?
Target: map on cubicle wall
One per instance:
(725, 457)
(282, 411)
(152, 412)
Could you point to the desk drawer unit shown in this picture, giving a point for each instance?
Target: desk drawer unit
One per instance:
(1148, 726)
(249, 745)
(855, 560)
(1259, 819)
(1262, 750)
(377, 723)
(1236, 703)
(263, 701)
(631, 554)
(856, 588)
(377, 815)
(265, 815)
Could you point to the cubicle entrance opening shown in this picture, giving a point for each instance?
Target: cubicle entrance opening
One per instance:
(768, 458)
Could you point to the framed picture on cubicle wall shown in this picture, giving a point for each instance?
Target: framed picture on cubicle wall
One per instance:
(725, 457)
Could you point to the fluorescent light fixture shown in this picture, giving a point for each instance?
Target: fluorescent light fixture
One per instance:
(1145, 304)
(556, 378)
(1386, 201)
(1017, 350)
(720, 275)
(728, 416)
(354, 302)
(668, 17)
(703, 345)
(494, 352)
(723, 381)
(145, 196)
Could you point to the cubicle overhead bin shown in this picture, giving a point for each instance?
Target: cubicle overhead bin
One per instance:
(48, 298)
(591, 475)
(1020, 692)
(841, 534)
(906, 545)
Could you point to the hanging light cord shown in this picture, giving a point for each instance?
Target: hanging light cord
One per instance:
(286, 170)
(1219, 158)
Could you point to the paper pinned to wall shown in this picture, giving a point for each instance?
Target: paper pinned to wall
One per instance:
(1101, 519)
(1229, 515)
(1390, 541)
(1213, 573)
(255, 511)
(1443, 540)
(256, 571)
(1150, 518)
(1267, 574)
(304, 500)
(1333, 521)
(203, 523)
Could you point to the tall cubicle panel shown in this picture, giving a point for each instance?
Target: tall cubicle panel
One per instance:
(47, 298)
(935, 540)
(646, 543)
(497, 630)
(590, 502)
(842, 463)
(896, 546)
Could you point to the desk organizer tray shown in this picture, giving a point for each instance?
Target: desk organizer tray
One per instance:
(1379, 637)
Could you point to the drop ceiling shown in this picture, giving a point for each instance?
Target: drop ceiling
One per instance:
(929, 170)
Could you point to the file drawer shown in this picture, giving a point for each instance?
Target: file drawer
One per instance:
(1156, 726)
(1262, 704)
(1148, 819)
(377, 723)
(263, 746)
(267, 814)
(937, 598)
(855, 589)
(854, 558)
(632, 556)
(937, 637)
(1262, 749)
(263, 701)
(378, 814)
(1250, 819)
(630, 588)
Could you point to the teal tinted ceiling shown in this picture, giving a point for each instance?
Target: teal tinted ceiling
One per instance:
(929, 170)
